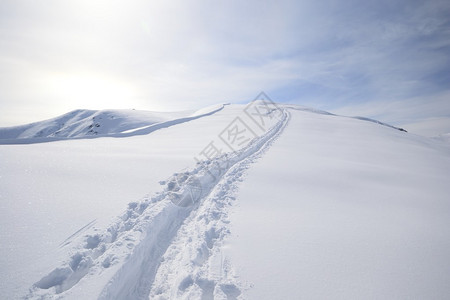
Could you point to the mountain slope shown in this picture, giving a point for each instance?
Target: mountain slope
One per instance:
(95, 123)
(52, 191)
(344, 209)
(296, 203)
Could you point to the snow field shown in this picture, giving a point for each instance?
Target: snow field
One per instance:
(143, 234)
(342, 208)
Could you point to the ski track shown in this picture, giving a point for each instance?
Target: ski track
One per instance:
(163, 250)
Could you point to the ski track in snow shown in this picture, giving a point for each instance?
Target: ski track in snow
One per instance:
(163, 250)
(195, 266)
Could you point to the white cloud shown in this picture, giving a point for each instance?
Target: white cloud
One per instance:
(167, 55)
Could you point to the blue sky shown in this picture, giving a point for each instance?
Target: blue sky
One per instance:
(383, 59)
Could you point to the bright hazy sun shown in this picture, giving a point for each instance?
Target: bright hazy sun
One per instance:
(91, 91)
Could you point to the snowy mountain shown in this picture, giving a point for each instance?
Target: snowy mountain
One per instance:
(84, 123)
(257, 201)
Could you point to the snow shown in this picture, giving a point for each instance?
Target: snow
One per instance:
(357, 211)
(307, 205)
(50, 190)
(92, 124)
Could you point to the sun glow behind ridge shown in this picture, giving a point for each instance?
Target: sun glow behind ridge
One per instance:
(91, 90)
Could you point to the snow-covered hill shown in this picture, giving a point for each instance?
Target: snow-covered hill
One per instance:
(257, 201)
(84, 123)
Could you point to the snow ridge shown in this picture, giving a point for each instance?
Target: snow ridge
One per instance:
(127, 256)
(323, 112)
(83, 124)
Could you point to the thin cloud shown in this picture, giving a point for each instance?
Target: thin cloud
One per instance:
(179, 55)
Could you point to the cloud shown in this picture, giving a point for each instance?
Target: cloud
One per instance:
(169, 55)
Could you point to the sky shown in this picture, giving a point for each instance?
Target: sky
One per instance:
(388, 60)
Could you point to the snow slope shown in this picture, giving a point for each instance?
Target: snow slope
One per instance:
(96, 123)
(357, 211)
(298, 203)
(50, 191)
